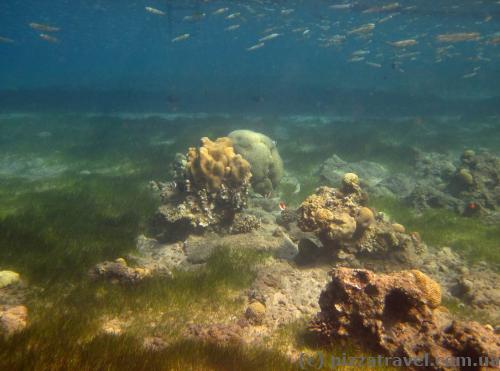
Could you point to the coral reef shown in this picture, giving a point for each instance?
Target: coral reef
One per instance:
(346, 226)
(261, 152)
(210, 186)
(398, 315)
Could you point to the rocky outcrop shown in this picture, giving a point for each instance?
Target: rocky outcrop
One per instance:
(469, 186)
(398, 314)
(351, 230)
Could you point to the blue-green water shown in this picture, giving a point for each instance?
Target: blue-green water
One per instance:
(97, 97)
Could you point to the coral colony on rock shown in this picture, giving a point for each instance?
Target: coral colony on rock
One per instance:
(249, 185)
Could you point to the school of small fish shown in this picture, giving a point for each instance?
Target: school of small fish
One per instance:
(381, 34)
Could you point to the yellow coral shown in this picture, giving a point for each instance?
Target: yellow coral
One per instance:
(365, 217)
(215, 163)
(430, 288)
(350, 181)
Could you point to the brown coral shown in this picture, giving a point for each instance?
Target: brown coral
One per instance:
(365, 218)
(391, 314)
(215, 164)
(343, 223)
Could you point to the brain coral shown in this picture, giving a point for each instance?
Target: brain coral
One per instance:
(215, 163)
(261, 152)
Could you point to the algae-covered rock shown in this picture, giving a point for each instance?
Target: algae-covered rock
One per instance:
(265, 161)
(8, 278)
(255, 312)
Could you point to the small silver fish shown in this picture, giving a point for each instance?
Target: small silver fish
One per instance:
(360, 52)
(269, 37)
(155, 11)
(232, 27)
(469, 75)
(194, 17)
(373, 64)
(357, 59)
(6, 40)
(50, 39)
(182, 37)
(43, 27)
(341, 6)
(220, 11)
(255, 47)
(403, 43)
(233, 15)
(368, 27)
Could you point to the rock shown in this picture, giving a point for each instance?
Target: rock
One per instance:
(255, 312)
(310, 249)
(216, 333)
(119, 271)
(288, 250)
(369, 174)
(144, 243)
(471, 187)
(397, 314)
(288, 292)
(198, 253)
(13, 319)
(244, 223)
(8, 278)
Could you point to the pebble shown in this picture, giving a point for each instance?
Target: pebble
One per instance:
(8, 278)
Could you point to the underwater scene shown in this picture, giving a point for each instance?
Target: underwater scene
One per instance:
(249, 185)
